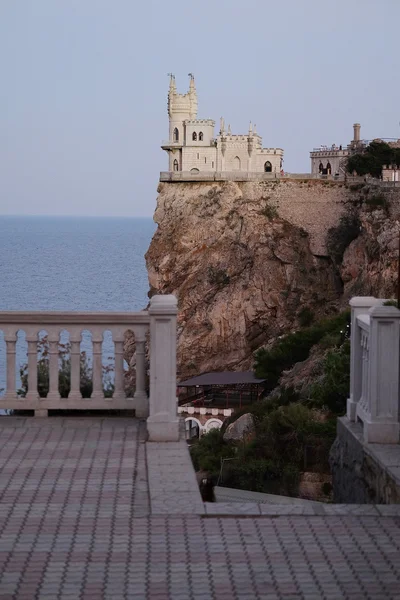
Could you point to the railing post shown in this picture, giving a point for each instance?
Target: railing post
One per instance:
(382, 420)
(141, 399)
(75, 353)
(163, 422)
(359, 305)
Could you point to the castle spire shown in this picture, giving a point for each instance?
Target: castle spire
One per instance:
(172, 84)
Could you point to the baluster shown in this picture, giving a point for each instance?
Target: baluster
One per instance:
(140, 396)
(119, 387)
(33, 394)
(97, 392)
(75, 389)
(11, 340)
(54, 340)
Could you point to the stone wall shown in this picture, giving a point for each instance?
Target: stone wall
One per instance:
(363, 473)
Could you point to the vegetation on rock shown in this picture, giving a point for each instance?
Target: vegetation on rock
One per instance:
(340, 237)
(370, 162)
(294, 427)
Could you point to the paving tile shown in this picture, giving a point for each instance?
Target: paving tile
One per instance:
(75, 523)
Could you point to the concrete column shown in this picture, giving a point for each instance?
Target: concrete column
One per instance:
(381, 425)
(32, 395)
(75, 390)
(163, 422)
(359, 305)
(140, 396)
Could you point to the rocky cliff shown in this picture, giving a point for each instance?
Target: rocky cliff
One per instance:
(250, 261)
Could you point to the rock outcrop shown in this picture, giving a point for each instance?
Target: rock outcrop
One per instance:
(250, 261)
(241, 429)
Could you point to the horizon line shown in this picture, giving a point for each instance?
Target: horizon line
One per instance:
(80, 216)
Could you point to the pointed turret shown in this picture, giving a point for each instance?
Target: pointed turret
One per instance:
(193, 97)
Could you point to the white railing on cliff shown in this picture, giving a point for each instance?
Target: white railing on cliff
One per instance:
(160, 406)
(374, 369)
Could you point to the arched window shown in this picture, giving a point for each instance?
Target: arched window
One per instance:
(176, 134)
(194, 136)
(321, 167)
(200, 136)
(176, 165)
(268, 167)
(236, 163)
(328, 169)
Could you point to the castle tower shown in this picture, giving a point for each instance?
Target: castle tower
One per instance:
(356, 128)
(180, 108)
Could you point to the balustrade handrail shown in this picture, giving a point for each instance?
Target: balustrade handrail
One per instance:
(16, 317)
(364, 322)
(159, 320)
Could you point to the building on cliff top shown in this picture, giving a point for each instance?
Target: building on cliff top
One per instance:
(332, 160)
(193, 148)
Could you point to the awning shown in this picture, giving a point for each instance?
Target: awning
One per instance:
(223, 378)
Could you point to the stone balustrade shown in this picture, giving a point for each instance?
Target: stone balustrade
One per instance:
(159, 321)
(199, 410)
(374, 369)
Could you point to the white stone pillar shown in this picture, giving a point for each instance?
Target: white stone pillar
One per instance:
(33, 394)
(11, 389)
(140, 396)
(381, 425)
(163, 422)
(119, 380)
(97, 391)
(75, 352)
(359, 305)
(53, 393)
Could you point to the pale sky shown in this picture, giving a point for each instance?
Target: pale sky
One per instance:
(83, 89)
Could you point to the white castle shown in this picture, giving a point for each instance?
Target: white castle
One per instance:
(193, 148)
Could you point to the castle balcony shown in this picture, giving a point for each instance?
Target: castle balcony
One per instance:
(155, 401)
(168, 144)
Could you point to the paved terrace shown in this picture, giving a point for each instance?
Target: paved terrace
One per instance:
(89, 509)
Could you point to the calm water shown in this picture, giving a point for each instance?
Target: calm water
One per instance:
(72, 264)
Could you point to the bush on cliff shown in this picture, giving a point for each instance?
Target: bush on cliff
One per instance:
(295, 347)
(288, 439)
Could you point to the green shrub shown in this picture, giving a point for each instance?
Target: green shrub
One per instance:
(391, 303)
(377, 201)
(217, 276)
(340, 237)
(295, 347)
(270, 212)
(208, 451)
(306, 317)
(332, 390)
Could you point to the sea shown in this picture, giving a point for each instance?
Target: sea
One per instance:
(72, 264)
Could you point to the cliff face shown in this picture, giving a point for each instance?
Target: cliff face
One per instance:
(249, 262)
